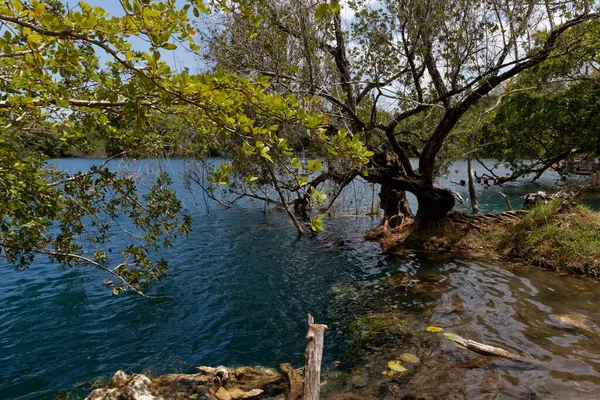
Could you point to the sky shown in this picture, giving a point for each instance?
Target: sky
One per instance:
(178, 59)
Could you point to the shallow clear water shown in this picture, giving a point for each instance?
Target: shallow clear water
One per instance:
(245, 282)
(551, 321)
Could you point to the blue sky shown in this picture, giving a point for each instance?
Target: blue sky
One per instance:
(178, 59)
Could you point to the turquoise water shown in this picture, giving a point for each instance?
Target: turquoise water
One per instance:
(245, 282)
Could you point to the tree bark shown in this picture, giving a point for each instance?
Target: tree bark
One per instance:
(434, 203)
(472, 193)
(313, 354)
(394, 204)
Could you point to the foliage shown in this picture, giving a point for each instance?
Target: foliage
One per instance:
(561, 241)
(550, 110)
(542, 125)
(77, 76)
(308, 106)
(400, 75)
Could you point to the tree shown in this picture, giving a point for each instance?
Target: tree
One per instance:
(400, 74)
(66, 71)
(553, 116)
(76, 69)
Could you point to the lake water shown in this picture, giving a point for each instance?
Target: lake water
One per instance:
(245, 282)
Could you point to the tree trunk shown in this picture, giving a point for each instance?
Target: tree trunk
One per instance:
(394, 204)
(313, 354)
(472, 194)
(434, 203)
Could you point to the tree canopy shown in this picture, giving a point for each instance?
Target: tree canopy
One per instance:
(552, 114)
(297, 97)
(66, 71)
(402, 75)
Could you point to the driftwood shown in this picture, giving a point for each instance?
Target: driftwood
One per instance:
(313, 354)
(222, 383)
(485, 349)
(294, 380)
(506, 200)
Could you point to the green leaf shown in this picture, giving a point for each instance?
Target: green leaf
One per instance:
(316, 223)
(34, 38)
(409, 358)
(314, 165)
(335, 6)
(321, 11)
(396, 366)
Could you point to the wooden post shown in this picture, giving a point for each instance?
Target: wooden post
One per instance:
(313, 354)
(472, 193)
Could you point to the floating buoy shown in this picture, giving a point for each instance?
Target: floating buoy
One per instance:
(134, 160)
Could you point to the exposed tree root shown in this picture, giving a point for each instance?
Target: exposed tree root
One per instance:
(443, 235)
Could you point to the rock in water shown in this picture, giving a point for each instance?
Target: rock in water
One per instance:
(575, 321)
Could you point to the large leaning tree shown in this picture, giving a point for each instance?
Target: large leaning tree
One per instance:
(399, 75)
(66, 71)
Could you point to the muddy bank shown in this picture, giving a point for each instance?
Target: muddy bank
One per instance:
(556, 239)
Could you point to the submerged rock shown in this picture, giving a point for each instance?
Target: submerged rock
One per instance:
(406, 279)
(575, 321)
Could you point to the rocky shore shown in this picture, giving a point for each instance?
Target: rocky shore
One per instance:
(209, 383)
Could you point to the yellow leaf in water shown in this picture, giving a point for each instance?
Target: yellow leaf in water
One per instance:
(396, 366)
(451, 336)
(409, 358)
(434, 329)
(460, 346)
(384, 372)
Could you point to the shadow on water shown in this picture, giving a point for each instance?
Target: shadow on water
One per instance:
(243, 285)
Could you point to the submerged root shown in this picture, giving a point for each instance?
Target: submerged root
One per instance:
(384, 229)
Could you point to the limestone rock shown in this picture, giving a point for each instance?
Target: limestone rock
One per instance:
(533, 199)
(124, 387)
(223, 394)
(104, 394)
(120, 378)
(138, 388)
